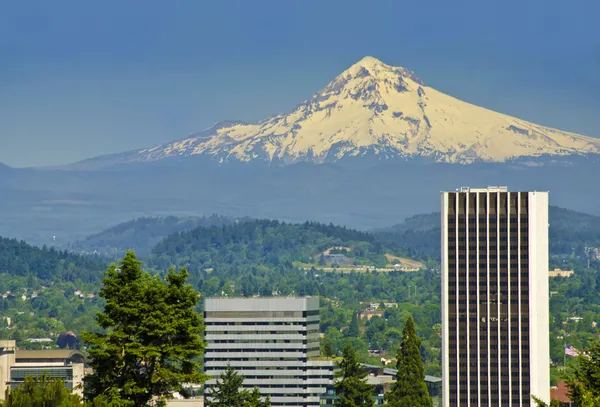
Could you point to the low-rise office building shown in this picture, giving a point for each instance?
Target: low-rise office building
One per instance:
(16, 364)
(272, 342)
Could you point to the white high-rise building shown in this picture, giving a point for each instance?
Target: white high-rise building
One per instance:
(495, 322)
(272, 342)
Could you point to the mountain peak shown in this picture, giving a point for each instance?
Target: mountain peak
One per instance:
(368, 62)
(373, 67)
(380, 110)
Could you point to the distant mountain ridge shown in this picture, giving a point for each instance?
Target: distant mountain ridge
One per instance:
(142, 234)
(374, 109)
(570, 232)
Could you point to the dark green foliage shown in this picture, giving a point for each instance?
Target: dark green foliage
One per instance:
(261, 242)
(18, 258)
(410, 389)
(351, 388)
(41, 392)
(228, 392)
(353, 330)
(584, 379)
(48, 279)
(153, 339)
(541, 403)
(142, 234)
(254, 399)
(571, 231)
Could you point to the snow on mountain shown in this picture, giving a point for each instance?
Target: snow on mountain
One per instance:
(376, 109)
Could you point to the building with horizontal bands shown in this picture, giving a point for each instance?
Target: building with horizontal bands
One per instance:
(16, 364)
(272, 342)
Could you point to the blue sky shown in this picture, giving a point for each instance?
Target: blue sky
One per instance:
(79, 79)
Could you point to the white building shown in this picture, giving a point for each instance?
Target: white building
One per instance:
(495, 323)
(272, 342)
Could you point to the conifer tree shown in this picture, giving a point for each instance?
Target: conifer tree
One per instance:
(153, 337)
(228, 391)
(351, 388)
(353, 330)
(254, 399)
(410, 389)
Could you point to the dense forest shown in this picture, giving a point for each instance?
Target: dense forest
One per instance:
(45, 292)
(17, 258)
(142, 234)
(53, 291)
(266, 243)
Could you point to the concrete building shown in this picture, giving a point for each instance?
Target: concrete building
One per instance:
(16, 364)
(495, 333)
(7, 359)
(272, 342)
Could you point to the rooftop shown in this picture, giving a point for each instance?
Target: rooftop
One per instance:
(261, 304)
(488, 189)
(48, 354)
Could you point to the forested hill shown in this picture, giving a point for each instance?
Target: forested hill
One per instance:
(18, 258)
(268, 243)
(570, 233)
(142, 234)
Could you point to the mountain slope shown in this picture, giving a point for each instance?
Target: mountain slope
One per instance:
(376, 109)
(251, 244)
(18, 258)
(142, 234)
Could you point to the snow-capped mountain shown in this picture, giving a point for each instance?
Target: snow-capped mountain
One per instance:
(376, 109)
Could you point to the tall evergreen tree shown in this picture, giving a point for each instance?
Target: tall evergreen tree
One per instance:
(351, 388)
(353, 330)
(410, 389)
(228, 391)
(153, 340)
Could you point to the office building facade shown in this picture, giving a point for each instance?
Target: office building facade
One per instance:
(272, 342)
(17, 364)
(495, 333)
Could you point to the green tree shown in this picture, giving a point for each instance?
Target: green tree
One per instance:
(410, 389)
(353, 330)
(584, 379)
(351, 388)
(254, 399)
(540, 403)
(153, 340)
(228, 391)
(41, 391)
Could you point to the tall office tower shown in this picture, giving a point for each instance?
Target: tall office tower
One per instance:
(495, 335)
(272, 342)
